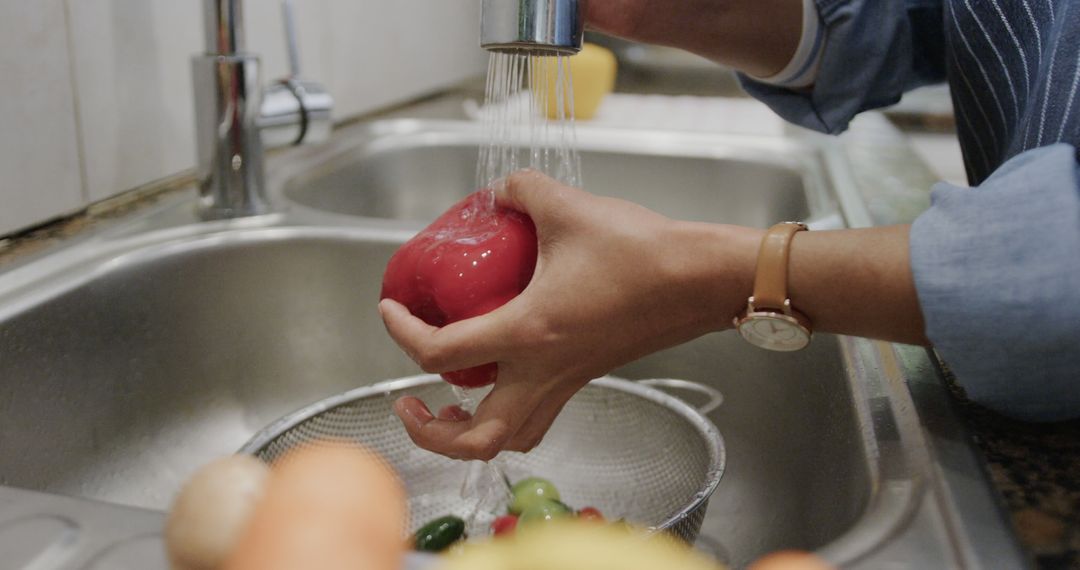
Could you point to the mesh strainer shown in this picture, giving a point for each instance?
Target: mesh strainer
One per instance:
(628, 449)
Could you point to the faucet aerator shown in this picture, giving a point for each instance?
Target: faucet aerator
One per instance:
(533, 27)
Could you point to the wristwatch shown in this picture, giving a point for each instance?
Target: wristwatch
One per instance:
(769, 320)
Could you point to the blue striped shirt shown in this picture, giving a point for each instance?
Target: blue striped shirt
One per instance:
(997, 266)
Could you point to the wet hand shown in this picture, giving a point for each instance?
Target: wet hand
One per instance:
(613, 282)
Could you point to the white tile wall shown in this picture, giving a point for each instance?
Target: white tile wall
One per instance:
(133, 82)
(265, 36)
(129, 73)
(39, 161)
(376, 47)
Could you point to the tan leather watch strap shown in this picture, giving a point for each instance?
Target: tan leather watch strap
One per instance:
(771, 280)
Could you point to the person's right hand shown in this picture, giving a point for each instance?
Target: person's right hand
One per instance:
(613, 282)
(756, 36)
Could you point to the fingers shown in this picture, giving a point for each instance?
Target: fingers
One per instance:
(481, 436)
(456, 346)
(536, 427)
(502, 424)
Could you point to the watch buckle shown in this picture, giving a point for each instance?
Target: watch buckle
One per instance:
(786, 308)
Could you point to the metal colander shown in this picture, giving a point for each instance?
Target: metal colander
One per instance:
(630, 450)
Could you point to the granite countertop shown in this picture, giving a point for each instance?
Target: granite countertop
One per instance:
(1036, 469)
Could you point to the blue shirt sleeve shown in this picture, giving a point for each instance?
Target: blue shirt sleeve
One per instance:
(875, 51)
(997, 269)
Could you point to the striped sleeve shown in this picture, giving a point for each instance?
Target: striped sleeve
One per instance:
(872, 52)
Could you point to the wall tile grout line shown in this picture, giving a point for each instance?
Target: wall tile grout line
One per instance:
(80, 137)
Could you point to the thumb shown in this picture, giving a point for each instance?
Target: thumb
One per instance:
(534, 194)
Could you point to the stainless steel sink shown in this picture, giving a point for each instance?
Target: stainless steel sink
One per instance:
(414, 171)
(131, 358)
(117, 388)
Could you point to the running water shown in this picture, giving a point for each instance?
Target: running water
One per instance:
(485, 487)
(528, 117)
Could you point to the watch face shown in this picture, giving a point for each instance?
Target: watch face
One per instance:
(774, 332)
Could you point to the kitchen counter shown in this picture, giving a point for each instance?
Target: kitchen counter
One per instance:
(1035, 468)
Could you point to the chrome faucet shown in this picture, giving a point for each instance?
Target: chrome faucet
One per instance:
(236, 118)
(539, 27)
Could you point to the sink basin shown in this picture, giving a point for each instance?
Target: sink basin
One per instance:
(409, 171)
(161, 361)
(117, 388)
(131, 358)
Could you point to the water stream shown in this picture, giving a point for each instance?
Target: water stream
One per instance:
(528, 117)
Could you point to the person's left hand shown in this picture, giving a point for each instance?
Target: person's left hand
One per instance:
(613, 282)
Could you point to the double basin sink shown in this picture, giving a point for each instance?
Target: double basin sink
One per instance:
(133, 355)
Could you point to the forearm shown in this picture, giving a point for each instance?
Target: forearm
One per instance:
(857, 282)
(854, 282)
(755, 36)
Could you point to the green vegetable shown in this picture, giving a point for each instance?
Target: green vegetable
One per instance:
(528, 492)
(439, 534)
(545, 510)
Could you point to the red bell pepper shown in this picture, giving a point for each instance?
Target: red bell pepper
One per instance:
(470, 261)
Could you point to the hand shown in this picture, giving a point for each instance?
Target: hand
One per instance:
(613, 282)
(757, 36)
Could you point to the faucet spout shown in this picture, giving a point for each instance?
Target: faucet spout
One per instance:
(538, 27)
(235, 117)
(224, 26)
(227, 101)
